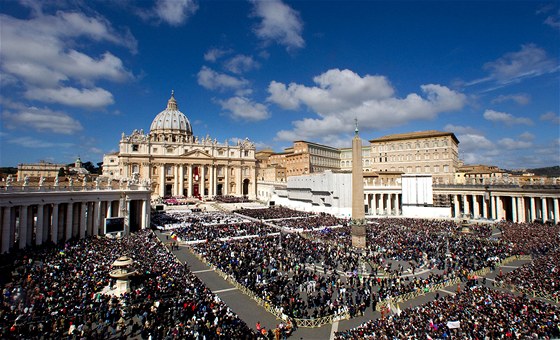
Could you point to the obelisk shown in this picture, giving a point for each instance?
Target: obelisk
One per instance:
(358, 212)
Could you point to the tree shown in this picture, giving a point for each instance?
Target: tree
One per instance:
(61, 172)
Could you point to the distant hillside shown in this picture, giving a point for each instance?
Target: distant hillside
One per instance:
(552, 171)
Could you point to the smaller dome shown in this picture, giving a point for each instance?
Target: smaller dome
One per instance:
(171, 120)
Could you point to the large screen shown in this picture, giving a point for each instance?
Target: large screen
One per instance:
(114, 225)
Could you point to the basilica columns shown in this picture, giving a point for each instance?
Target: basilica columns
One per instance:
(162, 180)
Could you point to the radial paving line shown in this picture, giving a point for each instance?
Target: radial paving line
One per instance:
(334, 329)
(446, 291)
(202, 271)
(224, 290)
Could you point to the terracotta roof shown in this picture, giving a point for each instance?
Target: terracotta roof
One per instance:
(416, 134)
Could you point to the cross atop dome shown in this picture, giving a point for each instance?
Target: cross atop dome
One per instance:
(172, 103)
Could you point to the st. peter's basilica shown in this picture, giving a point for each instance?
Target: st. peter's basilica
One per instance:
(176, 163)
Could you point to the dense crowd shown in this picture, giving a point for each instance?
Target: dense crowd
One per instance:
(231, 199)
(200, 231)
(57, 292)
(541, 277)
(271, 213)
(422, 243)
(311, 222)
(531, 238)
(282, 273)
(476, 313)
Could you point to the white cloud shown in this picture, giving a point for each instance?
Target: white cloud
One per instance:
(551, 117)
(41, 120)
(88, 98)
(280, 23)
(457, 129)
(530, 61)
(244, 108)
(343, 95)
(520, 98)
(214, 54)
(213, 80)
(474, 148)
(40, 54)
(241, 63)
(502, 117)
(511, 144)
(175, 12)
(527, 136)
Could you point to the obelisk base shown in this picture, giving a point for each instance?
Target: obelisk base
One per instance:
(358, 235)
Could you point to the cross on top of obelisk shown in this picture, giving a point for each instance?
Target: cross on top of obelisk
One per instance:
(356, 130)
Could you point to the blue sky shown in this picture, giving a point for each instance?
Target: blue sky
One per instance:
(76, 74)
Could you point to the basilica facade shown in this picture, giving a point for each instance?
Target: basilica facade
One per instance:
(174, 162)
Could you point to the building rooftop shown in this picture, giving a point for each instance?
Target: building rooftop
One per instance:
(417, 134)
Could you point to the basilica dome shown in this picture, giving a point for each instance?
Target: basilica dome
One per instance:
(171, 120)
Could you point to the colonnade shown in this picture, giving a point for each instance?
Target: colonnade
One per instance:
(221, 179)
(511, 207)
(384, 203)
(34, 219)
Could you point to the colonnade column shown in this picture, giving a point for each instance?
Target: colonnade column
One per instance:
(544, 210)
(90, 218)
(6, 228)
(533, 210)
(380, 204)
(466, 205)
(54, 222)
(556, 211)
(83, 221)
(23, 226)
(373, 204)
(145, 217)
(456, 206)
(98, 218)
(388, 203)
(189, 183)
(40, 225)
(493, 207)
(162, 180)
(514, 209)
(500, 207)
(69, 215)
(484, 207)
(522, 210)
(476, 208)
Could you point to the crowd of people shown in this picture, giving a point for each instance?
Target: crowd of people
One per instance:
(271, 213)
(530, 238)
(60, 292)
(231, 199)
(282, 272)
(311, 222)
(540, 277)
(475, 313)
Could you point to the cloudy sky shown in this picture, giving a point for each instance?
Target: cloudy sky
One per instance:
(76, 74)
